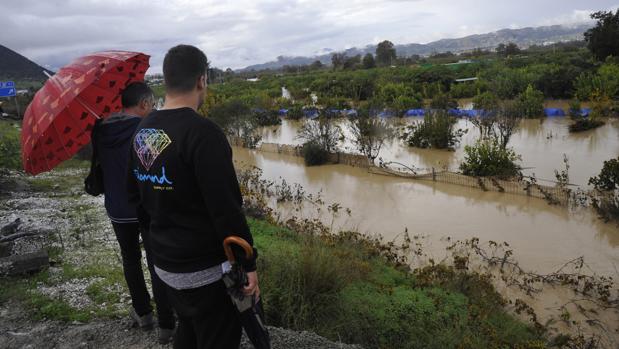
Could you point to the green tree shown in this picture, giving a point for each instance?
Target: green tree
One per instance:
(337, 60)
(530, 103)
(385, 53)
(369, 134)
(603, 39)
(489, 158)
(368, 61)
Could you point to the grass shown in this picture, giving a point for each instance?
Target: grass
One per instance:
(344, 291)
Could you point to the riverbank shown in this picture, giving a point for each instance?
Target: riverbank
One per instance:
(342, 287)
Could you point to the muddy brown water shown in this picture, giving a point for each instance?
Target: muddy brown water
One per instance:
(540, 142)
(542, 236)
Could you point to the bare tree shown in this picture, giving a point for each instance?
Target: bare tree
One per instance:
(369, 135)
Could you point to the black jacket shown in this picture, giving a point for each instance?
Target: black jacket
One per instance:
(181, 174)
(113, 139)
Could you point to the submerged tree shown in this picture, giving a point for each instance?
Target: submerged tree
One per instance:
(369, 134)
(506, 124)
(236, 120)
(437, 130)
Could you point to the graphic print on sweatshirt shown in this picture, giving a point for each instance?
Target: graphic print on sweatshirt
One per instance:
(148, 144)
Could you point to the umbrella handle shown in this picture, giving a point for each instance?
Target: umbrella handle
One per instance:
(249, 251)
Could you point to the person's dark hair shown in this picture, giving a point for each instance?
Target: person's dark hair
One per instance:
(134, 93)
(182, 66)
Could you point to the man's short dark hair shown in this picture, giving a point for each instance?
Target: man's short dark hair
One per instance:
(182, 67)
(134, 93)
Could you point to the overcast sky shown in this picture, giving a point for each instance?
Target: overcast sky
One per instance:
(244, 32)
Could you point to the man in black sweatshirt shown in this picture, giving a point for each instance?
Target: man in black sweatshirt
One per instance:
(182, 176)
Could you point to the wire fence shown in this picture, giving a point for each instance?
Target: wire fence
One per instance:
(527, 186)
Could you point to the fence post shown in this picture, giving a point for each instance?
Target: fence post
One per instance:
(433, 175)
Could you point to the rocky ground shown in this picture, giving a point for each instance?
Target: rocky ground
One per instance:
(80, 300)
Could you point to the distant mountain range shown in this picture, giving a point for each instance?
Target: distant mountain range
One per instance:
(14, 66)
(523, 37)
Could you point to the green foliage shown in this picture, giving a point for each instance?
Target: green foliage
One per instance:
(530, 103)
(314, 154)
(602, 39)
(322, 132)
(341, 288)
(486, 101)
(603, 84)
(295, 112)
(266, 117)
(435, 131)
(585, 124)
(489, 159)
(10, 146)
(236, 120)
(608, 179)
(385, 53)
(368, 61)
(369, 134)
(443, 101)
(606, 198)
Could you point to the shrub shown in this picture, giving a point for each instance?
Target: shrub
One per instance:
(435, 131)
(530, 103)
(322, 132)
(443, 101)
(10, 147)
(236, 120)
(314, 154)
(606, 198)
(369, 134)
(295, 112)
(584, 124)
(489, 158)
(266, 117)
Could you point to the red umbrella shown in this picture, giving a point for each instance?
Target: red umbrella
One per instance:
(59, 119)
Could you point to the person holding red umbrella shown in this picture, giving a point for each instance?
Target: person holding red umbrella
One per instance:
(181, 173)
(111, 139)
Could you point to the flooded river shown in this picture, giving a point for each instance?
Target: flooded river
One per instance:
(541, 143)
(542, 236)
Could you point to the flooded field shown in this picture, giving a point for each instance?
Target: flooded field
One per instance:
(541, 143)
(542, 236)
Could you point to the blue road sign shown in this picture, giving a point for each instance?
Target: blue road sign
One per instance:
(7, 89)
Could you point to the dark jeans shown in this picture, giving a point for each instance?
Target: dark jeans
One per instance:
(207, 319)
(128, 236)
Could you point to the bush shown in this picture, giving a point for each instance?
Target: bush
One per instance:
(530, 103)
(236, 120)
(267, 117)
(443, 101)
(10, 147)
(435, 131)
(584, 124)
(489, 158)
(369, 134)
(314, 154)
(606, 198)
(340, 287)
(295, 112)
(322, 132)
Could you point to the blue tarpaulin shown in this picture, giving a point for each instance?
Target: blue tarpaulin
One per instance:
(585, 112)
(554, 112)
(415, 112)
(386, 114)
(283, 111)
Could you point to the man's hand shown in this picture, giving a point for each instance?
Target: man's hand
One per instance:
(252, 285)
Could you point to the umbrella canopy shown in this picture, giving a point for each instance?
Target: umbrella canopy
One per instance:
(59, 119)
(250, 309)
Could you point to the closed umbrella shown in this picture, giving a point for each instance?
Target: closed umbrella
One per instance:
(250, 309)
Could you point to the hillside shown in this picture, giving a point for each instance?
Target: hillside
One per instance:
(523, 37)
(17, 67)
